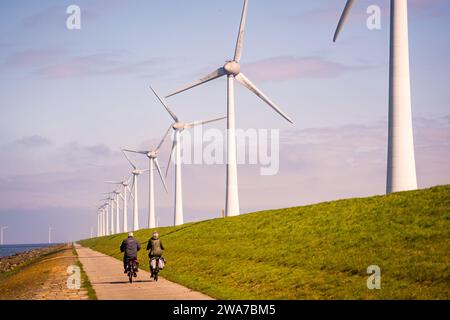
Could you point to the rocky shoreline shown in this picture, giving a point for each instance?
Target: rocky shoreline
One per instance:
(9, 263)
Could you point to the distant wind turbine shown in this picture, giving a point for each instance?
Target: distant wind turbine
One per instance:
(2, 228)
(401, 165)
(106, 216)
(50, 229)
(178, 128)
(136, 172)
(126, 188)
(152, 156)
(232, 70)
(111, 205)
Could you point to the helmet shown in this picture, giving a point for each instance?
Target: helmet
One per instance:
(156, 234)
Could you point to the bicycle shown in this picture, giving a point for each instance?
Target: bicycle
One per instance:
(132, 267)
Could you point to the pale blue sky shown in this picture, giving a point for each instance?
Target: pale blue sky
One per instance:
(70, 99)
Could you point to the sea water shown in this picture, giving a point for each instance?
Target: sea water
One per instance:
(10, 249)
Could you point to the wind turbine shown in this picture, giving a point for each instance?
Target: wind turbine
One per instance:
(111, 200)
(136, 172)
(50, 229)
(232, 69)
(152, 156)
(101, 220)
(401, 165)
(178, 128)
(125, 185)
(99, 213)
(106, 229)
(2, 228)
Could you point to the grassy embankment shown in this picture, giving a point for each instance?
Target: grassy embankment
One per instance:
(313, 252)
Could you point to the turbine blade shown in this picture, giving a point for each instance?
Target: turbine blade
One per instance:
(155, 161)
(214, 75)
(163, 139)
(166, 106)
(112, 182)
(132, 164)
(134, 151)
(170, 157)
(343, 19)
(240, 39)
(249, 85)
(197, 123)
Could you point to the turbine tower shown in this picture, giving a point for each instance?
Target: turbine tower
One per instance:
(136, 172)
(111, 200)
(106, 228)
(232, 69)
(178, 128)
(117, 193)
(2, 228)
(125, 185)
(153, 163)
(50, 229)
(98, 222)
(401, 165)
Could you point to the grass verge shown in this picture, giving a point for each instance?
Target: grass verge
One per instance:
(320, 251)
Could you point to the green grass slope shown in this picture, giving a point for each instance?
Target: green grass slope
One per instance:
(313, 252)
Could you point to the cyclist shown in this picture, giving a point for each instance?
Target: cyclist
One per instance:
(155, 248)
(130, 247)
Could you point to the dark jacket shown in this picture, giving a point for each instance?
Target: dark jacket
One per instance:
(130, 247)
(155, 246)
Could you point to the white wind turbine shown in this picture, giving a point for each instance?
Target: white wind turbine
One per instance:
(232, 70)
(178, 128)
(99, 213)
(136, 172)
(50, 229)
(2, 228)
(111, 200)
(401, 165)
(125, 185)
(106, 216)
(153, 163)
(103, 214)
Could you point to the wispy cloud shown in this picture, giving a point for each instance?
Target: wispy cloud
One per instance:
(60, 64)
(34, 58)
(34, 141)
(290, 68)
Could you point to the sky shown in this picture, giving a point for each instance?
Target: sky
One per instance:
(70, 99)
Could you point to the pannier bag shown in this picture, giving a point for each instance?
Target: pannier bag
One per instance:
(153, 263)
(162, 263)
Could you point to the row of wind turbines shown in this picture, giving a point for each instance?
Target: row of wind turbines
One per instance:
(401, 170)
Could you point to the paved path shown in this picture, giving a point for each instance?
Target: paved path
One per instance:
(110, 283)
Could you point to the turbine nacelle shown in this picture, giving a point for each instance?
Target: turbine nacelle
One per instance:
(152, 154)
(232, 68)
(180, 126)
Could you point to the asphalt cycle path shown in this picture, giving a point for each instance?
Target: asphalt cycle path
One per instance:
(110, 283)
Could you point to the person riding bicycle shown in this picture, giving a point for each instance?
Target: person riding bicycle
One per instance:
(155, 247)
(130, 247)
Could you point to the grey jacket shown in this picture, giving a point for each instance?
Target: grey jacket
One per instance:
(155, 247)
(130, 247)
